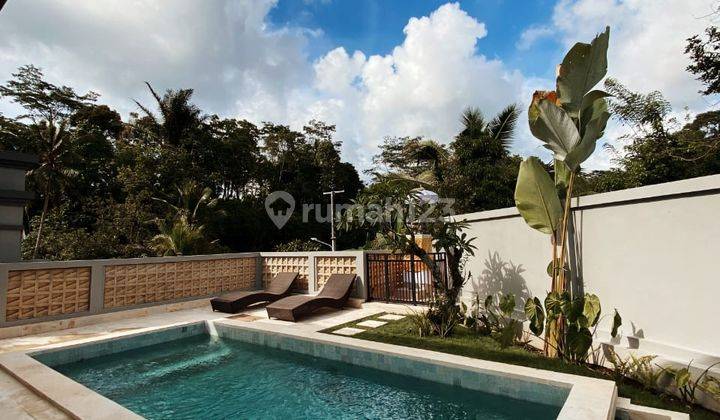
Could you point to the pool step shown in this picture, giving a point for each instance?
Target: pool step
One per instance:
(625, 410)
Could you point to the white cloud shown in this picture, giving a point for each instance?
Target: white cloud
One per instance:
(420, 88)
(529, 36)
(223, 49)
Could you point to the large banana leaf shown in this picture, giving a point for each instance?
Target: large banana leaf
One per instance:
(593, 105)
(536, 198)
(581, 69)
(593, 131)
(552, 125)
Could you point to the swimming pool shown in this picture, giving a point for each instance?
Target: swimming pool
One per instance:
(207, 377)
(224, 370)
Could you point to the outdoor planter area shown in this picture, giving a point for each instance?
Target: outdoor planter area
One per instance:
(466, 342)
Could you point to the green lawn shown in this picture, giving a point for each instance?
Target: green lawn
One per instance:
(465, 343)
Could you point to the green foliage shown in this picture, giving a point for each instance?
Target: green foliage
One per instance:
(134, 168)
(536, 315)
(179, 237)
(421, 323)
(466, 342)
(577, 317)
(688, 386)
(617, 322)
(476, 169)
(658, 148)
(494, 317)
(638, 368)
(536, 198)
(705, 57)
(552, 125)
(569, 121)
(394, 210)
(482, 172)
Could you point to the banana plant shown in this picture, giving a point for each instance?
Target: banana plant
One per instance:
(569, 121)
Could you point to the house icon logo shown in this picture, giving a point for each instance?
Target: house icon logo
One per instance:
(279, 206)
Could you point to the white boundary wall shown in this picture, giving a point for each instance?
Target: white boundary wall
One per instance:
(651, 252)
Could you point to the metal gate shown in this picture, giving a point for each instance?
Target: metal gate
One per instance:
(402, 277)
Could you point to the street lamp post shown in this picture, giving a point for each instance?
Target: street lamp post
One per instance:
(332, 216)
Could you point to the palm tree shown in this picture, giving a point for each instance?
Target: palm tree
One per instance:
(178, 117)
(191, 201)
(482, 172)
(493, 136)
(177, 238)
(183, 234)
(429, 164)
(55, 154)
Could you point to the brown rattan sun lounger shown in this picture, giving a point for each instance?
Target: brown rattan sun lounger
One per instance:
(334, 294)
(234, 302)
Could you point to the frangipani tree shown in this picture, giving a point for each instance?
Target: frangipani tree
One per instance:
(569, 121)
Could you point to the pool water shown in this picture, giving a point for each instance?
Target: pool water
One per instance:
(208, 377)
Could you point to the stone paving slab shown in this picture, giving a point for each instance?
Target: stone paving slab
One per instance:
(371, 324)
(391, 317)
(348, 331)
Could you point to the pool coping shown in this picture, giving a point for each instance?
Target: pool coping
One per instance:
(588, 398)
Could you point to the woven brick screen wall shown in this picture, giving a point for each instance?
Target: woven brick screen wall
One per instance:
(325, 266)
(274, 265)
(47, 292)
(135, 284)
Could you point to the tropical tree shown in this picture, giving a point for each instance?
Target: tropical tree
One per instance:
(178, 237)
(704, 53)
(183, 233)
(48, 111)
(482, 171)
(177, 118)
(192, 202)
(569, 121)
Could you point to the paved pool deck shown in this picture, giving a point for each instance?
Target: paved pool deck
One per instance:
(19, 402)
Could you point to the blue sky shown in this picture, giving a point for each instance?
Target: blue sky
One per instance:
(376, 26)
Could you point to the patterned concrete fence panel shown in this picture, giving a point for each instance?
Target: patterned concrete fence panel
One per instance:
(287, 263)
(325, 266)
(316, 267)
(135, 284)
(51, 290)
(47, 292)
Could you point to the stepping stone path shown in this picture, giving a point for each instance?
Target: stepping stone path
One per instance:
(391, 317)
(348, 331)
(370, 324)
